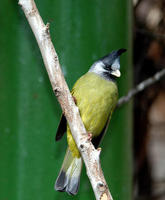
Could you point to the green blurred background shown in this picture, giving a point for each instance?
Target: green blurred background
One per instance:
(82, 32)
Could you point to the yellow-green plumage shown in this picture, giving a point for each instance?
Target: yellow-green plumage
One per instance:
(96, 98)
(95, 94)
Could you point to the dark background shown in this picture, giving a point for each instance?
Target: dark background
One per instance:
(149, 106)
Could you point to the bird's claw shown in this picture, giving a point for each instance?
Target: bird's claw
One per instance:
(89, 136)
(99, 149)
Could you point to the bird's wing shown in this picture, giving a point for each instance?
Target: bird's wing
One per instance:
(63, 125)
(61, 128)
(97, 140)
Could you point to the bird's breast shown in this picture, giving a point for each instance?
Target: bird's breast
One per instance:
(96, 98)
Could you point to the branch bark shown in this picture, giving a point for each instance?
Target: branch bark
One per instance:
(140, 87)
(90, 155)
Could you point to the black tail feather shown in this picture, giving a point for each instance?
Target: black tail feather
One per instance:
(69, 177)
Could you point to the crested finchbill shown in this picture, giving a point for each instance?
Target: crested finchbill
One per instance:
(96, 95)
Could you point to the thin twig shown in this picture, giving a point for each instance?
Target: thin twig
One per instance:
(140, 87)
(156, 196)
(152, 34)
(90, 155)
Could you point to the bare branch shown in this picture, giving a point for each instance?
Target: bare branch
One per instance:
(140, 87)
(90, 155)
(148, 33)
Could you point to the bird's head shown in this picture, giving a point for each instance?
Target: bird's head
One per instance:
(109, 65)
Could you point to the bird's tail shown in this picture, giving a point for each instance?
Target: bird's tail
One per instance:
(69, 176)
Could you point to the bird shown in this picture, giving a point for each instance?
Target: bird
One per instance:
(96, 94)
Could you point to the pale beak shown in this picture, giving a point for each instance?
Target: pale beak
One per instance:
(116, 73)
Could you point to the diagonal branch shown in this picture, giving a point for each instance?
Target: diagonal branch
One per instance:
(90, 155)
(140, 87)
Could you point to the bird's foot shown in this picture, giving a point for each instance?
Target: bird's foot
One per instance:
(99, 149)
(89, 136)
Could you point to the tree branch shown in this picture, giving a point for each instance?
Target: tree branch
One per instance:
(90, 155)
(140, 87)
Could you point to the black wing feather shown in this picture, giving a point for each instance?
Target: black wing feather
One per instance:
(61, 128)
(63, 125)
(97, 140)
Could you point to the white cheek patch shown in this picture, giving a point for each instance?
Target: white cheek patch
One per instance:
(98, 67)
(116, 64)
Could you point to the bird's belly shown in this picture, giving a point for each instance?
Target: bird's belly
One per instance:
(96, 99)
(95, 115)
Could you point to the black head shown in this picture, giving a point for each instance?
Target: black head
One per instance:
(109, 65)
(111, 57)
